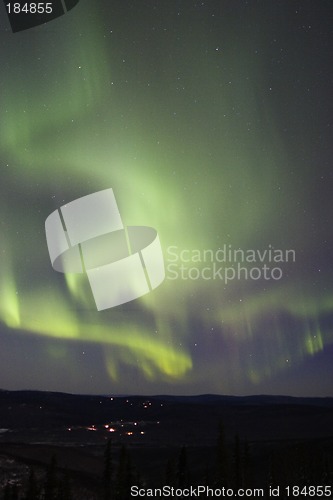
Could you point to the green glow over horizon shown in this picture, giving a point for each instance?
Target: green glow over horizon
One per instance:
(202, 142)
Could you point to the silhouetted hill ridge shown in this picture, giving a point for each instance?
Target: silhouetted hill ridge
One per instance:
(256, 416)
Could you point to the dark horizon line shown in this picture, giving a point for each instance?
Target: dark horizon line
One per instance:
(162, 396)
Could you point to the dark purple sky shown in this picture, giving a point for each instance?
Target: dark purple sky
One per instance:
(212, 122)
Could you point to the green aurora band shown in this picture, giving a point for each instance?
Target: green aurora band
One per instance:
(192, 146)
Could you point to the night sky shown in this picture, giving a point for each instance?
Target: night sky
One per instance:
(212, 122)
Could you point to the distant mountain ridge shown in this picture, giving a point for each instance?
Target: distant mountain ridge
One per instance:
(257, 417)
(256, 399)
(259, 399)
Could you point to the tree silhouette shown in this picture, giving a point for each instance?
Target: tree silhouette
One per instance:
(64, 488)
(182, 472)
(107, 473)
(32, 489)
(7, 492)
(237, 465)
(50, 489)
(11, 492)
(124, 476)
(222, 472)
(170, 472)
(246, 459)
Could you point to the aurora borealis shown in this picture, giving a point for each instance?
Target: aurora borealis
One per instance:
(212, 122)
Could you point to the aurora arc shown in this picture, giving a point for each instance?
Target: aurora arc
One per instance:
(200, 139)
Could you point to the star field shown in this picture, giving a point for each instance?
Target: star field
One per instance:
(212, 122)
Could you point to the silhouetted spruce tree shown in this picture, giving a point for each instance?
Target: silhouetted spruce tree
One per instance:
(64, 488)
(170, 472)
(301, 467)
(6, 492)
(272, 474)
(124, 475)
(107, 473)
(327, 475)
(222, 466)
(32, 492)
(11, 492)
(14, 492)
(237, 465)
(137, 480)
(247, 472)
(50, 489)
(182, 472)
(129, 472)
